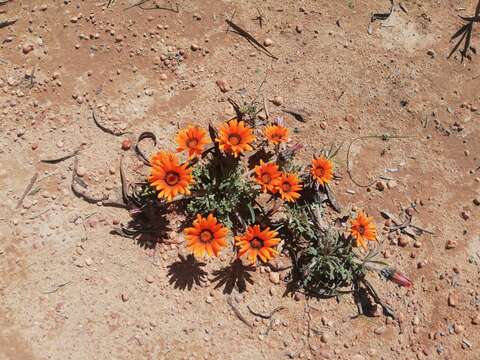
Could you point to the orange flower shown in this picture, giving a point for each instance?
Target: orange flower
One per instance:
(288, 187)
(206, 236)
(276, 134)
(192, 139)
(235, 137)
(322, 170)
(168, 177)
(257, 242)
(363, 229)
(267, 176)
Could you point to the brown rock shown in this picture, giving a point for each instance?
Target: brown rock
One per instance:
(27, 47)
(380, 330)
(476, 320)
(124, 297)
(476, 201)
(222, 85)
(149, 279)
(268, 42)
(466, 215)
(277, 100)
(403, 241)
(451, 244)
(458, 329)
(126, 144)
(452, 299)
(274, 277)
(380, 185)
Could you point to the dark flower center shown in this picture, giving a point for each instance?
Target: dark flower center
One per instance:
(206, 235)
(234, 139)
(286, 186)
(266, 178)
(256, 243)
(191, 143)
(172, 178)
(319, 171)
(361, 229)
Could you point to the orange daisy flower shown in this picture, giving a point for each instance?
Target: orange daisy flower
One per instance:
(257, 242)
(322, 170)
(235, 137)
(267, 176)
(276, 134)
(206, 236)
(168, 176)
(363, 229)
(288, 187)
(192, 139)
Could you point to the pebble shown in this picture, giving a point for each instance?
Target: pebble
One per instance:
(222, 85)
(466, 215)
(126, 144)
(268, 42)
(163, 77)
(277, 100)
(380, 185)
(451, 244)
(349, 118)
(149, 279)
(392, 184)
(458, 329)
(403, 241)
(476, 201)
(476, 320)
(149, 92)
(452, 300)
(81, 171)
(194, 47)
(299, 28)
(209, 300)
(417, 244)
(380, 330)
(27, 47)
(274, 277)
(124, 297)
(431, 53)
(88, 261)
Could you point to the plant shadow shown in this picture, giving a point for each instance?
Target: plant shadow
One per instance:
(235, 275)
(186, 272)
(148, 226)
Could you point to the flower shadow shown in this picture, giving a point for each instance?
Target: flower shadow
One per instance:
(234, 275)
(186, 272)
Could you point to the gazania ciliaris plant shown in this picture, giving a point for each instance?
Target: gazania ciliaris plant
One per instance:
(244, 191)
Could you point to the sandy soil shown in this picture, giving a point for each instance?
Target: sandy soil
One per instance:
(69, 289)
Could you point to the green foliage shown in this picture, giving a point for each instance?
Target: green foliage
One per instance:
(330, 265)
(222, 189)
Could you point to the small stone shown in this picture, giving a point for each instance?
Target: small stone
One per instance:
(34, 146)
(268, 42)
(26, 48)
(466, 215)
(391, 184)
(194, 47)
(451, 244)
(88, 261)
(459, 329)
(476, 319)
(299, 28)
(119, 38)
(81, 171)
(149, 279)
(325, 338)
(380, 330)
(380, 185)
(417, 244)
(149, 92)
(274, 277)
(277, 100)
(126, 144)
(163, 77)
(452, 300)
(209, 300)
(222, 85)
(476, 201)
(298, 296)
(124, 297)
(349, 118)
(403, 241)
(431, 53)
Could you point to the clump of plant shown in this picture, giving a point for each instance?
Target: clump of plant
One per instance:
(243, 179)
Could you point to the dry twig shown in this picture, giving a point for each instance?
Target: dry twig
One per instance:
(27, 190)
(238, 313)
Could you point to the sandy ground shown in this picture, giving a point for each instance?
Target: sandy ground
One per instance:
(69, 289)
